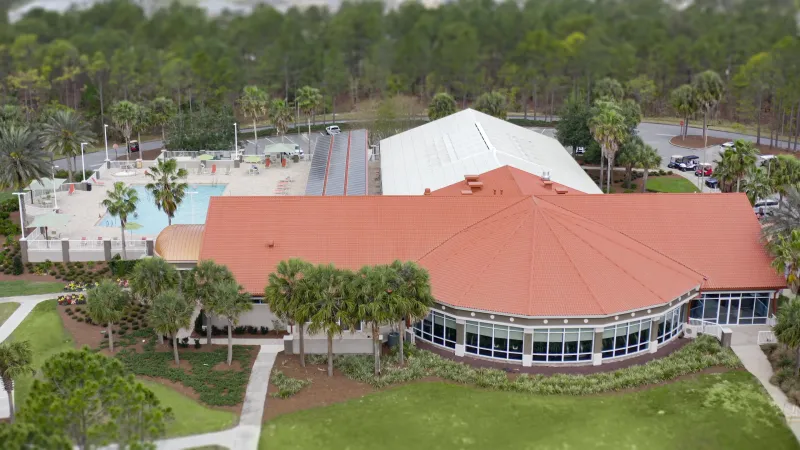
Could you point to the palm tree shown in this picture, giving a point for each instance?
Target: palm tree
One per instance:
(309, 99)
(166, 186)
(744, 159)
(493, 103)
(162, 109)
(756, 184)
(684, 102)
(784, 173)
(15, 361)
(628, 156)
(648, 159)
(230, 303)
(281, 115)
(170, 312)
(413, 298)
(124, 115)
(442, 105)
(143, 120)
(253, 103)
(371, 290)
(199, 284)
(784, 219)
(283, 297)
(21, 158)
(152, 276)
(121, 202)
(106, 303)
(708, 91)
(325, 287)
(726, 171)
(786, 249)
(609, 130)
(787, 328)
(63, 134)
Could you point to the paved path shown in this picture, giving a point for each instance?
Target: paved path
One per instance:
(26, 305)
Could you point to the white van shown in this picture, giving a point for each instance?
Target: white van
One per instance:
(333, 129)
(765, 206)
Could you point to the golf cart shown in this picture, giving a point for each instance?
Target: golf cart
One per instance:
(674, 160)
(703, 170)
(133, 146)
(688, 163)
(713, 183)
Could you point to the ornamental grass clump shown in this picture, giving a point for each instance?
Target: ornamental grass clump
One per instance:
(287, 386)
(702, 353)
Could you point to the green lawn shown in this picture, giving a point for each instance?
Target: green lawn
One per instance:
(728, 411)
(14, 288)
(6, 309)
(191, 417)
(670, 184)
(46, 333)
(6, 195)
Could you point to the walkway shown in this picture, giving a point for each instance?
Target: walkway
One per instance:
(745, 345)
(26, 305)
(242, 437)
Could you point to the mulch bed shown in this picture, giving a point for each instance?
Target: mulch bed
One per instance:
(322, 391)
(696, 142)
(29, 277)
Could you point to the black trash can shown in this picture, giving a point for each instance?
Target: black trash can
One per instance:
(394, 339)
(88, 186)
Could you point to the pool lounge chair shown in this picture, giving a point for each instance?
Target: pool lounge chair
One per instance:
(71, 189)
(213, 169)
(98, 182)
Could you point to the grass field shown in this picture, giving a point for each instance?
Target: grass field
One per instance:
(190, 416)
(19, 287)
(6, 196)
(670, 184)
(44, 330)
(6, 309)
(724, 411)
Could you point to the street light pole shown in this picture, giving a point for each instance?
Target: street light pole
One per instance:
(21, 214)
(235, 140)
(83, 161)
(105, 137)
(55, 197)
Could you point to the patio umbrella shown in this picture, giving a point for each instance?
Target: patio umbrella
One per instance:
(252, 159)
(205, 157)
(130, 226)
(49, 220)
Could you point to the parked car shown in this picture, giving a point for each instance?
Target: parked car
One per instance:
(332, 130)
(133, 146)
(765, 159)
(580, 151)
(704, 170)
(765, 206)
(688, 163)
(712, 183)
(726, 146)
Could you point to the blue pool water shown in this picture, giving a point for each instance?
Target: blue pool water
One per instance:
(153, 221)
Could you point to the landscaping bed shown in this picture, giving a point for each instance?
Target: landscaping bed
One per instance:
(782, 359)
(657, 181)
(716, 411)
(694, 141)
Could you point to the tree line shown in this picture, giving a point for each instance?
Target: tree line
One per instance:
(538, 53)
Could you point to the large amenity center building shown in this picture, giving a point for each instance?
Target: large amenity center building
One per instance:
(526, 269)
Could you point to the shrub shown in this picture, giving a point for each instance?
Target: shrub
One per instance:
(16, 265)
(287, 386)
(197, 343)
(239, 330)
(79, 319)
(264, 330)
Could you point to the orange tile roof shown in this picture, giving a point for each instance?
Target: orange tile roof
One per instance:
(546, 255)
(505, 180)
(714, 234)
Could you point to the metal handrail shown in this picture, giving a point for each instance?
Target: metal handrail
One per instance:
(706, 327)
(766, 337)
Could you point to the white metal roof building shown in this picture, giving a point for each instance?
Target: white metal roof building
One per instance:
(469, 142)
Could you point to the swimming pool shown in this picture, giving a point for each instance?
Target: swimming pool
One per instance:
(153, 221)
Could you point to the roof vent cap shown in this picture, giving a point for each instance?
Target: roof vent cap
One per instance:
(466, 192)
(471, 177)
(427, 191)
(561, 190)
(546, 175)
(270, 243)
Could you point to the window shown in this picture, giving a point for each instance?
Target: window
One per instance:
(734, 308)
(563, 344)
(671, 324)
(437, 328)
(493, 341)
(626, 338)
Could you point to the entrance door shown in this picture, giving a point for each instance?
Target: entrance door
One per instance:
(723, 312)
(733, 315)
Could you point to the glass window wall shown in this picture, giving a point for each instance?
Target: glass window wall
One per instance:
(626, 338)
(671, 324)
(563, 344)
(438, 329)
(493, 341)
(734, 308)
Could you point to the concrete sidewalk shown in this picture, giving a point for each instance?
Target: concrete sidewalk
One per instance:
(26, 305)
(756, 362)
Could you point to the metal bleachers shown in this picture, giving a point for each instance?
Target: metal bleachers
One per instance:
(336, 168)
(357, 166)
(319, 165)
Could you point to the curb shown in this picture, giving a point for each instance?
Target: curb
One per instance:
(686, 147)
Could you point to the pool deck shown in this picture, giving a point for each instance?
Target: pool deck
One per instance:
(85, 211)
